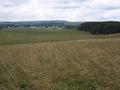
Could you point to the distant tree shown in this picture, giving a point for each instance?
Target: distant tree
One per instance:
(100, 27)
(1, 27)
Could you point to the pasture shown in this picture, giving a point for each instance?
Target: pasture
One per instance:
(26, 36)
(59, 60)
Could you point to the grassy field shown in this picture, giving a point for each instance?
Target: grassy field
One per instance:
(26, 36)
(76, 61)
(19, 36)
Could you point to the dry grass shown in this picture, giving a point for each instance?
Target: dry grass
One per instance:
(91, 64)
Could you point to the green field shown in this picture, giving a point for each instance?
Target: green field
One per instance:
(24, 36)
(59, 60)
(32, 36)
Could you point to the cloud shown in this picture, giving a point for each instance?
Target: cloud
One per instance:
(12, 3)
(72, 10)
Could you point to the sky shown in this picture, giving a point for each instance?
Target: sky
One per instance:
(70, 10)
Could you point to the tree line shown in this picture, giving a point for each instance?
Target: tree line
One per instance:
(100, 27)
(45, 25)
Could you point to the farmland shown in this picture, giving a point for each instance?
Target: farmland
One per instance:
(18, 36)
(26, 36)
(58, 60)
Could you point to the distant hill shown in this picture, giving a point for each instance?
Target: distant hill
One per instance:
(57, 23)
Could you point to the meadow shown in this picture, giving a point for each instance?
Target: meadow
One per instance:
(59, 60)
(12, 36)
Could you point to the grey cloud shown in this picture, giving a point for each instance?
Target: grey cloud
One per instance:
(75, 10)
(71, 1)
(69, 4)
(104, 5)
(12, 3)
(111, 8)
(67, 7)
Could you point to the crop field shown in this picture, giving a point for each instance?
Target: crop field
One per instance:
(59, 60)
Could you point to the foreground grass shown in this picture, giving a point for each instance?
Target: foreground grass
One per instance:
(90, 64)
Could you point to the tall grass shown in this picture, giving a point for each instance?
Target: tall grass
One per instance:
(91, 64)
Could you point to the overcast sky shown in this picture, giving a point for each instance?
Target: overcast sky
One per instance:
(71, 10)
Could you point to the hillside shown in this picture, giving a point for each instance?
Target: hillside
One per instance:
(53, 23)
(89, 64)
(58, 59)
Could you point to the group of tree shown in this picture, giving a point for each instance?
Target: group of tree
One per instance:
(100, 27)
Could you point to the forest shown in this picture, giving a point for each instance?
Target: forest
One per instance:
(100, 27)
